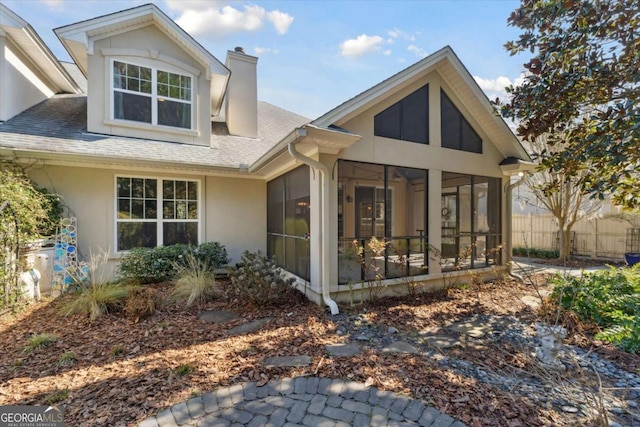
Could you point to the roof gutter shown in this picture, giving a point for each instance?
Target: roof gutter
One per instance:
(325, 253)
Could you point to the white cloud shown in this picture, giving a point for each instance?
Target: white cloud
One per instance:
(386, 52)
(260, 50)
(53, 3)
(396, 33)
(419, 52)
(495, 88)
(215, 18)
(361, 45)
(280, 20)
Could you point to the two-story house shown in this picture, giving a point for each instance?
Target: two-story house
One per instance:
(170, 145)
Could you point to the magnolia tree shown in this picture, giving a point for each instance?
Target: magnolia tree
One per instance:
(561, 194)
(582, 89)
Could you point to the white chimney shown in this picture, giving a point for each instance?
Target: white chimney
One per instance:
(241, 108)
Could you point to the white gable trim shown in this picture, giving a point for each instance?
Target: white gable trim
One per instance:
(78, 39)
(449, 66)
(25, 37)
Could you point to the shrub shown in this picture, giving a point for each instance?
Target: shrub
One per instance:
(141, 303)
(610, 298)
(196, 281)
(536, 253)
(259, 280)
(148, 265)
(212, 255)
(40, 340)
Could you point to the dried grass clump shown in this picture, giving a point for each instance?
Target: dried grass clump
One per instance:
(142, 303)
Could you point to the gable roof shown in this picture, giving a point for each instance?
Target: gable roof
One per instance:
(56, 130)
(26, 39)
(78, 39)
(449, 66)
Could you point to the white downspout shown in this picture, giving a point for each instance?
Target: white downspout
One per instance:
(324, 217)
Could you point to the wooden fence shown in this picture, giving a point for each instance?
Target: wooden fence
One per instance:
(595, 238)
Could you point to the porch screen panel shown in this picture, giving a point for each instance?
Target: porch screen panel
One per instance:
(386, 202)
(288, 217)
(471, 231)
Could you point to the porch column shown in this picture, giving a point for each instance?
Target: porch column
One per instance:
(434, 219)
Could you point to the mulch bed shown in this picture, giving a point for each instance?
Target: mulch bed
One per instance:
(125, 372)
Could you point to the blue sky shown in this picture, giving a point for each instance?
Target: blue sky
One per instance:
(314, 55)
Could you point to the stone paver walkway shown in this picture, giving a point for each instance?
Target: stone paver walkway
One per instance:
(302, 401)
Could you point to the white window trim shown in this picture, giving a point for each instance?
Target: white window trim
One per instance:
(111, 120)
(159, 220)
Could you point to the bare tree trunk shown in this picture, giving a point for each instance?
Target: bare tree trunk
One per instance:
(565, 244)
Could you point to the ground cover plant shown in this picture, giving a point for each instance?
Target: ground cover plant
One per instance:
(610, 299)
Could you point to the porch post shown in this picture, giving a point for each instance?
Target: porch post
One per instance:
(434, 219)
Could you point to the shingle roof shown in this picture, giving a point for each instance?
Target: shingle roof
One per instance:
(58, 126)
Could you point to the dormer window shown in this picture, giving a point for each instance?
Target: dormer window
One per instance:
(150, 95)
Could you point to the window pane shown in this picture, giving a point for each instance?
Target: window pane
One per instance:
(145, 73)
(193, 210)
(181, 210)
(470, 139)
(415, 116)
(180, 232)
(119, 82)
(163, 77)
(449, 122)
(150, 188)
(137, 187)
(174, 92)
(275, 205)
(387, 122)
(145, 86)
(133, 70)
(133, 84)
(136, 235)
(128, 106)
(181, 190)
(163, 90)
(124, 208)
(124, 187)
(168, 210)
(150, 209)
(137, 209)
(119, 69)
(167, 189)
(176, 114)
(193, 190)
(297, 202)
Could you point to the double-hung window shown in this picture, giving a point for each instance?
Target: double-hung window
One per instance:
(153, 212)
(150, 95)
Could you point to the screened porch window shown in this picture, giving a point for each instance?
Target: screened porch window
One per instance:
(388, 203)
(148, 95)
(288, 217)
(471, 221)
